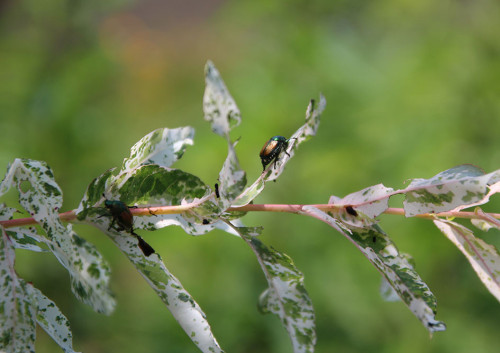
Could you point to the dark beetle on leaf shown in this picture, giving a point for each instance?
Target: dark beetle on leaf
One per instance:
(272, 149)
(124, 220)
(121, 214)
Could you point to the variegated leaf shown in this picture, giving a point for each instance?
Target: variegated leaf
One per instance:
(286, 296)
(50, 318)
(232, 179)
(486, 222)
(26, 238)
(305, 132)
(219, 107)
(161, 146)
(180, 303)
(456, 187)
(18, 307)
(371, 201)
(483, 257)
(21, 237)
(40, 195)
(395, 267)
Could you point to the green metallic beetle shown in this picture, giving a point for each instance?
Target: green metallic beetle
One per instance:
(272, 149)
(121, 214)
(124, 220)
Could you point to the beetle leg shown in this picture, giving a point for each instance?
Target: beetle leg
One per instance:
(111, 225)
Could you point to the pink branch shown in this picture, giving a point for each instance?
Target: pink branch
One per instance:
(145, 211)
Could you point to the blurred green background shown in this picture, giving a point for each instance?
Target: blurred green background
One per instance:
(412, 89)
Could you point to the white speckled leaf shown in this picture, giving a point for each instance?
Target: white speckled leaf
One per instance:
(21, 237)
(486, 222)
(6, 212)
(161, 146)
(457, 187)
(395, 267)
(221, 111)
(305, 132)
(180, 303)
(387, 292)
(371, 201)
(232, 179)
(26, 238)
(40, 195)
(154, 185)
(286, 296)
(50, 318)
(493, 186)
(219, 107)
(483, 257)
(17, 314)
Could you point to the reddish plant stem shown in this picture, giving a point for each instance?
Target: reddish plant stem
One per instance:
(70, 215)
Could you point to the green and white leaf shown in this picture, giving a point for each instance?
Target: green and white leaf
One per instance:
(286, 296)
(483, 257)
(387, 292)
(180, 303)
(6, 213)
(305, 132)
(458, 187)
(50, 318)
(40, 195)
(161, 146)
(232, 179)
(250, 193)
(21, 237)
(17, 314)
(221, 111)
(154, 185)
(486, 222)
(371, 201)
(26, 238)
(494, 188)
(395, 267)
(219, 107)
(347, 220)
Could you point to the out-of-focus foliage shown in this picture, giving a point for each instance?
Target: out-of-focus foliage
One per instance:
(412, 89)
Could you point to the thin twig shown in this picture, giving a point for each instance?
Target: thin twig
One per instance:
(148, 211)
